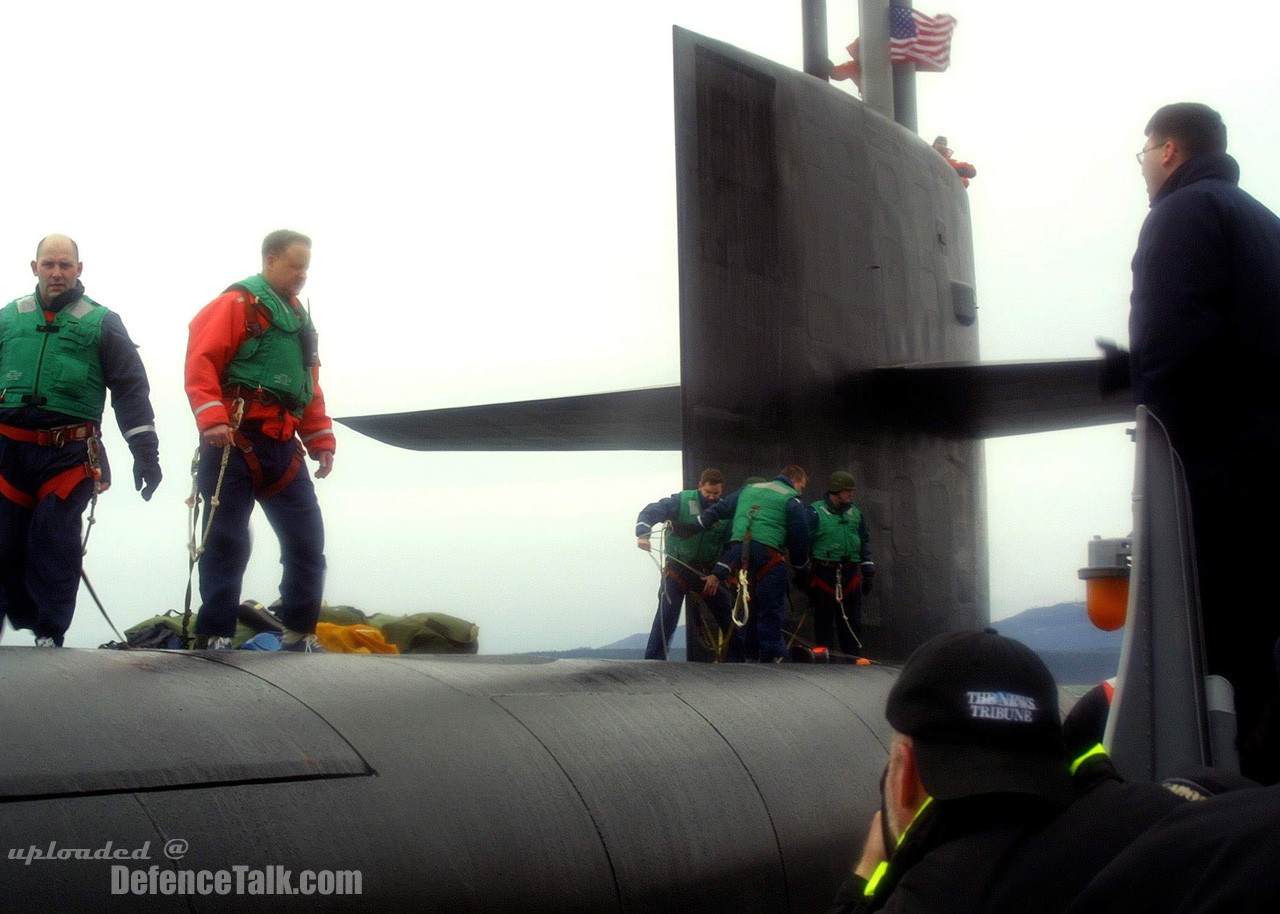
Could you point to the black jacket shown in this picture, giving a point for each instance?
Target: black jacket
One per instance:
(1008, 854)
(1204, 320)
(1205, 338)
(1217, 855)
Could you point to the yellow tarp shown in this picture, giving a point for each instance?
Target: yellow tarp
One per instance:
(353, 639)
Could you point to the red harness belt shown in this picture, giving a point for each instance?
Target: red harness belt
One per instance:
(51, 437)
(818, 584)
(61, 484)
(262, 488)
(776, 558)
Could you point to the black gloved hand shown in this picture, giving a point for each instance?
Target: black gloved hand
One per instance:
(868, 570)
(145, 447)
(1114, 373)
(146, 472)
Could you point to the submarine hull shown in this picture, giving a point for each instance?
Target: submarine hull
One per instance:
(460, 784)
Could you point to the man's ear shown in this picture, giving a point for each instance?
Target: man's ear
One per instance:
(907, 791)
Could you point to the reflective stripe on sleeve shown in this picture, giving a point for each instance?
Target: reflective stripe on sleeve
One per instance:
(874, 881)
(1096, 750)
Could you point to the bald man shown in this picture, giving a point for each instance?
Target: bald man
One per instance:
(60, 352)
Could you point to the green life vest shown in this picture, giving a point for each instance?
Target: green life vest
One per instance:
(56, 369)
(838, 538)
(273, 360)
(762, 506)
(702, 549)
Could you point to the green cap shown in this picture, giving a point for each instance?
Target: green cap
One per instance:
(839, 481)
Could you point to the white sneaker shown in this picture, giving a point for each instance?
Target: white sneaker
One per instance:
(46, 642)
(300, 643)
(219, 644)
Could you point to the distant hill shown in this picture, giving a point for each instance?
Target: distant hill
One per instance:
(610, 653)
(1075, 651)
(629, 648)
(1061, 634)
(640, 640)
(1061, 627)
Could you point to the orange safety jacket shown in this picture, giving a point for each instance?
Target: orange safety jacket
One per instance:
(216, 333)
(963, 169)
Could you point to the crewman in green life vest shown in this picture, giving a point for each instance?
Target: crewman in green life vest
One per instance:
(60, 352)
(770, 523)
(842, 568)
(253, 381)
(688, 560)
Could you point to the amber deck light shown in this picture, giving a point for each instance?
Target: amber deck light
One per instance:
(1107, 582)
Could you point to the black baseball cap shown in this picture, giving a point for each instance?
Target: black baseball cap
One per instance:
(982, 713)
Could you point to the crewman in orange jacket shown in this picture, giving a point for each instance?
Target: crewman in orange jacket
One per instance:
(252, 376)
(963, 169)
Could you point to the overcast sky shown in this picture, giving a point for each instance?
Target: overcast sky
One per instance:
(491, 192)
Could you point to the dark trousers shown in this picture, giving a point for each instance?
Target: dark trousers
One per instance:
(677, 581)
(294, 515)
(770, 584)
(833, 623)
(40, 545)
(1234, 504)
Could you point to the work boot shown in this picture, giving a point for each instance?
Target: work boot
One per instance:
(301, 643)
(45, 641)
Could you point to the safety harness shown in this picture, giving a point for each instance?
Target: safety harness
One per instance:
(62, 483)
(262, 488)
(714, 638)
(742, 606)
(839, 591)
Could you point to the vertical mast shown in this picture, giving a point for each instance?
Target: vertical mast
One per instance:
(873, 44)
(904, 88)
(816, 61)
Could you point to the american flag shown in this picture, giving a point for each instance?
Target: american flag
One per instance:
(920, 39)
(913, 38)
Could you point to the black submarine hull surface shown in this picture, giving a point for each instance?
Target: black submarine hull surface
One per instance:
(455, 784)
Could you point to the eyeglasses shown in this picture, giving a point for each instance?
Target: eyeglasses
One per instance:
(1142, 155)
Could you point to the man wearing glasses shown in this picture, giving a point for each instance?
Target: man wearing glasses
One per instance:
(1204, 332)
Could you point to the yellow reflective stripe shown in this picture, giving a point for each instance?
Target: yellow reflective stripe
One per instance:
(883, 866)
(923, 807)
(875, 878)
(1096, 750)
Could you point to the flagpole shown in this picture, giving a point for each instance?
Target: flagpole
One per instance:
(877, 76)
(904, 88)
(816, 61)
